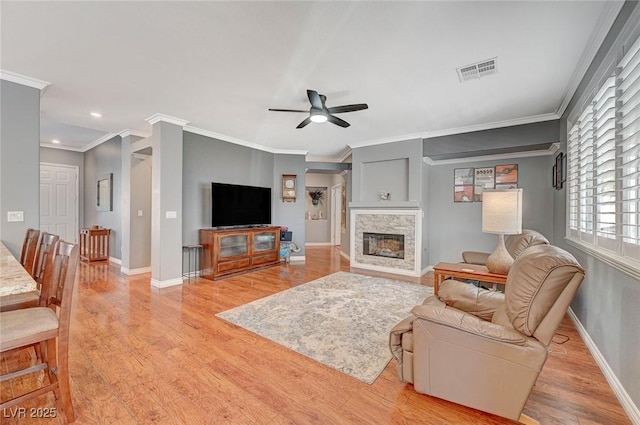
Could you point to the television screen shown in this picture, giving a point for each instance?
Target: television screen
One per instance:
(236, 205)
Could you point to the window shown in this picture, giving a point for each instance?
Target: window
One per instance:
(603, 148)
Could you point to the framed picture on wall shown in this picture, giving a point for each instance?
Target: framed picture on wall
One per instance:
(506, 174)
(463, 193)
(462, 176)
(484, 178)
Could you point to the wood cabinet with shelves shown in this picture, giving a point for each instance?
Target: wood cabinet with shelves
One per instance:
(229, 251)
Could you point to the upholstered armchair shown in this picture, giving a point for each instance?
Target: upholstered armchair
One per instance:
(515, 245)
(485, 349)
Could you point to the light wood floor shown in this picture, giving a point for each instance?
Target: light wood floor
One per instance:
(145, 356)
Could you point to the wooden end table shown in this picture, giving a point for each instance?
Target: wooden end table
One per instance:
(464, 271)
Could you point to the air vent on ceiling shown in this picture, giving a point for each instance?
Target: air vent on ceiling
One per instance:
(477, 70)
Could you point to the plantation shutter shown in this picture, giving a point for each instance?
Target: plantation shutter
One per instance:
(629, 118)
(573, 179)
(585, 176)
(604, 132)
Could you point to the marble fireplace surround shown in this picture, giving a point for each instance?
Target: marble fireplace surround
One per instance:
(406, 222)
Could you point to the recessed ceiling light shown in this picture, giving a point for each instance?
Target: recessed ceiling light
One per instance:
(56, 141)
(96, 114)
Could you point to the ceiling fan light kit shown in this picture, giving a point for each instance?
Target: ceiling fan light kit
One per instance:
(320, 113)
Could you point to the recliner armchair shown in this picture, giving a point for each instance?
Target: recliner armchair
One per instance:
(515, 245)
(485, 349)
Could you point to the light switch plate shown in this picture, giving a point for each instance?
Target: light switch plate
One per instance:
(15, 215)
(171, 214)
(139, 213)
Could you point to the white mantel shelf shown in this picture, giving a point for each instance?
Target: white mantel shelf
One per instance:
(385, 204)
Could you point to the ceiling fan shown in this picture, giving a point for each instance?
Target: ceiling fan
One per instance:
(320, 113)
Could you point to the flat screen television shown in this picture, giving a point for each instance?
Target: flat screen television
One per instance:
(236, 205)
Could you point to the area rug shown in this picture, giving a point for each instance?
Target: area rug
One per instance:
(341, 320)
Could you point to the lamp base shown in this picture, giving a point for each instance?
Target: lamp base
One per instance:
(500, 260)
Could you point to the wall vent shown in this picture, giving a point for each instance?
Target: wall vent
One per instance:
(477, 70)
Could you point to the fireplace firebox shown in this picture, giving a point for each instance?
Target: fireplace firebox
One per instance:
(383, 245)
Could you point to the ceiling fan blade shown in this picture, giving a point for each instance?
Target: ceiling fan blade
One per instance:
(337, 121)
(348, 108)
(304, 123)
(314, 98)
(288, 110)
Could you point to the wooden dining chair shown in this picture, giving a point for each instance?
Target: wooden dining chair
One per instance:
(27, 258)
(45, 324)
(29, 299)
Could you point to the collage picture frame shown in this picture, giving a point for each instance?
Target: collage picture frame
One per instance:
(470, 183)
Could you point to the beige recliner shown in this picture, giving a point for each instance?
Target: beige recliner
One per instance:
(515, 245)
(485, 349)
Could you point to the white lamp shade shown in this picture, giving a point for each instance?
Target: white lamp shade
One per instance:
(502, 211)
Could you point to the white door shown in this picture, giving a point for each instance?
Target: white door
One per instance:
(336, 214)
(59, 201)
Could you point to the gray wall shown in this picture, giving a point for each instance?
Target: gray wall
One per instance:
(608, 302)
(76, 159)
(19, 161)
(99, 161)
(396, 166)
(290, 214)
(456, 226)
(209, 160)
(140, 229)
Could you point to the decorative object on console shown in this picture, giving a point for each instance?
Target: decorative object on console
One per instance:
(501, 214)
(315, 206)
(289, 188)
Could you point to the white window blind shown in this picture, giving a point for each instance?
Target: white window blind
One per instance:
(603, 148)
(629, 107)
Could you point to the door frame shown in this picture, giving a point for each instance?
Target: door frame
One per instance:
(77, 171)
(336, 214)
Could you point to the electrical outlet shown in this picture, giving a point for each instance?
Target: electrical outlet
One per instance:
(15, 215)
(139, 213)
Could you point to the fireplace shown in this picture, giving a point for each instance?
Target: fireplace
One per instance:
(383, 245)
(386, 240)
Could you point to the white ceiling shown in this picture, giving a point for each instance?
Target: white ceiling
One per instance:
(221, 65)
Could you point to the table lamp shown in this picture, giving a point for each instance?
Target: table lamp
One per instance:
(501, 214)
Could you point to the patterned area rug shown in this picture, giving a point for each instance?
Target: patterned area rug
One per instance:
(341, 320)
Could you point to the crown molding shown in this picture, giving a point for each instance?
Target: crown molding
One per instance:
(501, 156)
(236, 141)
(24, 80)
(166, 118)
(99, 141)
(601, 29)
(60, 147)
(460, 130)
(131, 132)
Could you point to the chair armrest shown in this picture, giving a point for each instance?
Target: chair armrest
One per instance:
(436, 311)
(475, 257)
(470, 299)
(395, 336)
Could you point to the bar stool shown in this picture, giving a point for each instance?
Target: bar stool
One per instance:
(191, 251)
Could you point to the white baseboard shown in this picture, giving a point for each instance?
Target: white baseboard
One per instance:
(115, 260)
(318, 244)
(166, 283)
(297, 258)
(131, 272)
(345, 255)
(426, 270)
(627, 404)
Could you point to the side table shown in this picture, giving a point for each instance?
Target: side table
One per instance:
(195, 251)
(464, 271)
(94, 244)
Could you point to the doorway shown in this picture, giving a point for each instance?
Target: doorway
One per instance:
(59, 200)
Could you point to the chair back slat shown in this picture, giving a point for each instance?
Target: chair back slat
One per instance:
(43, 254)
(59, 277)
(28, 255)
